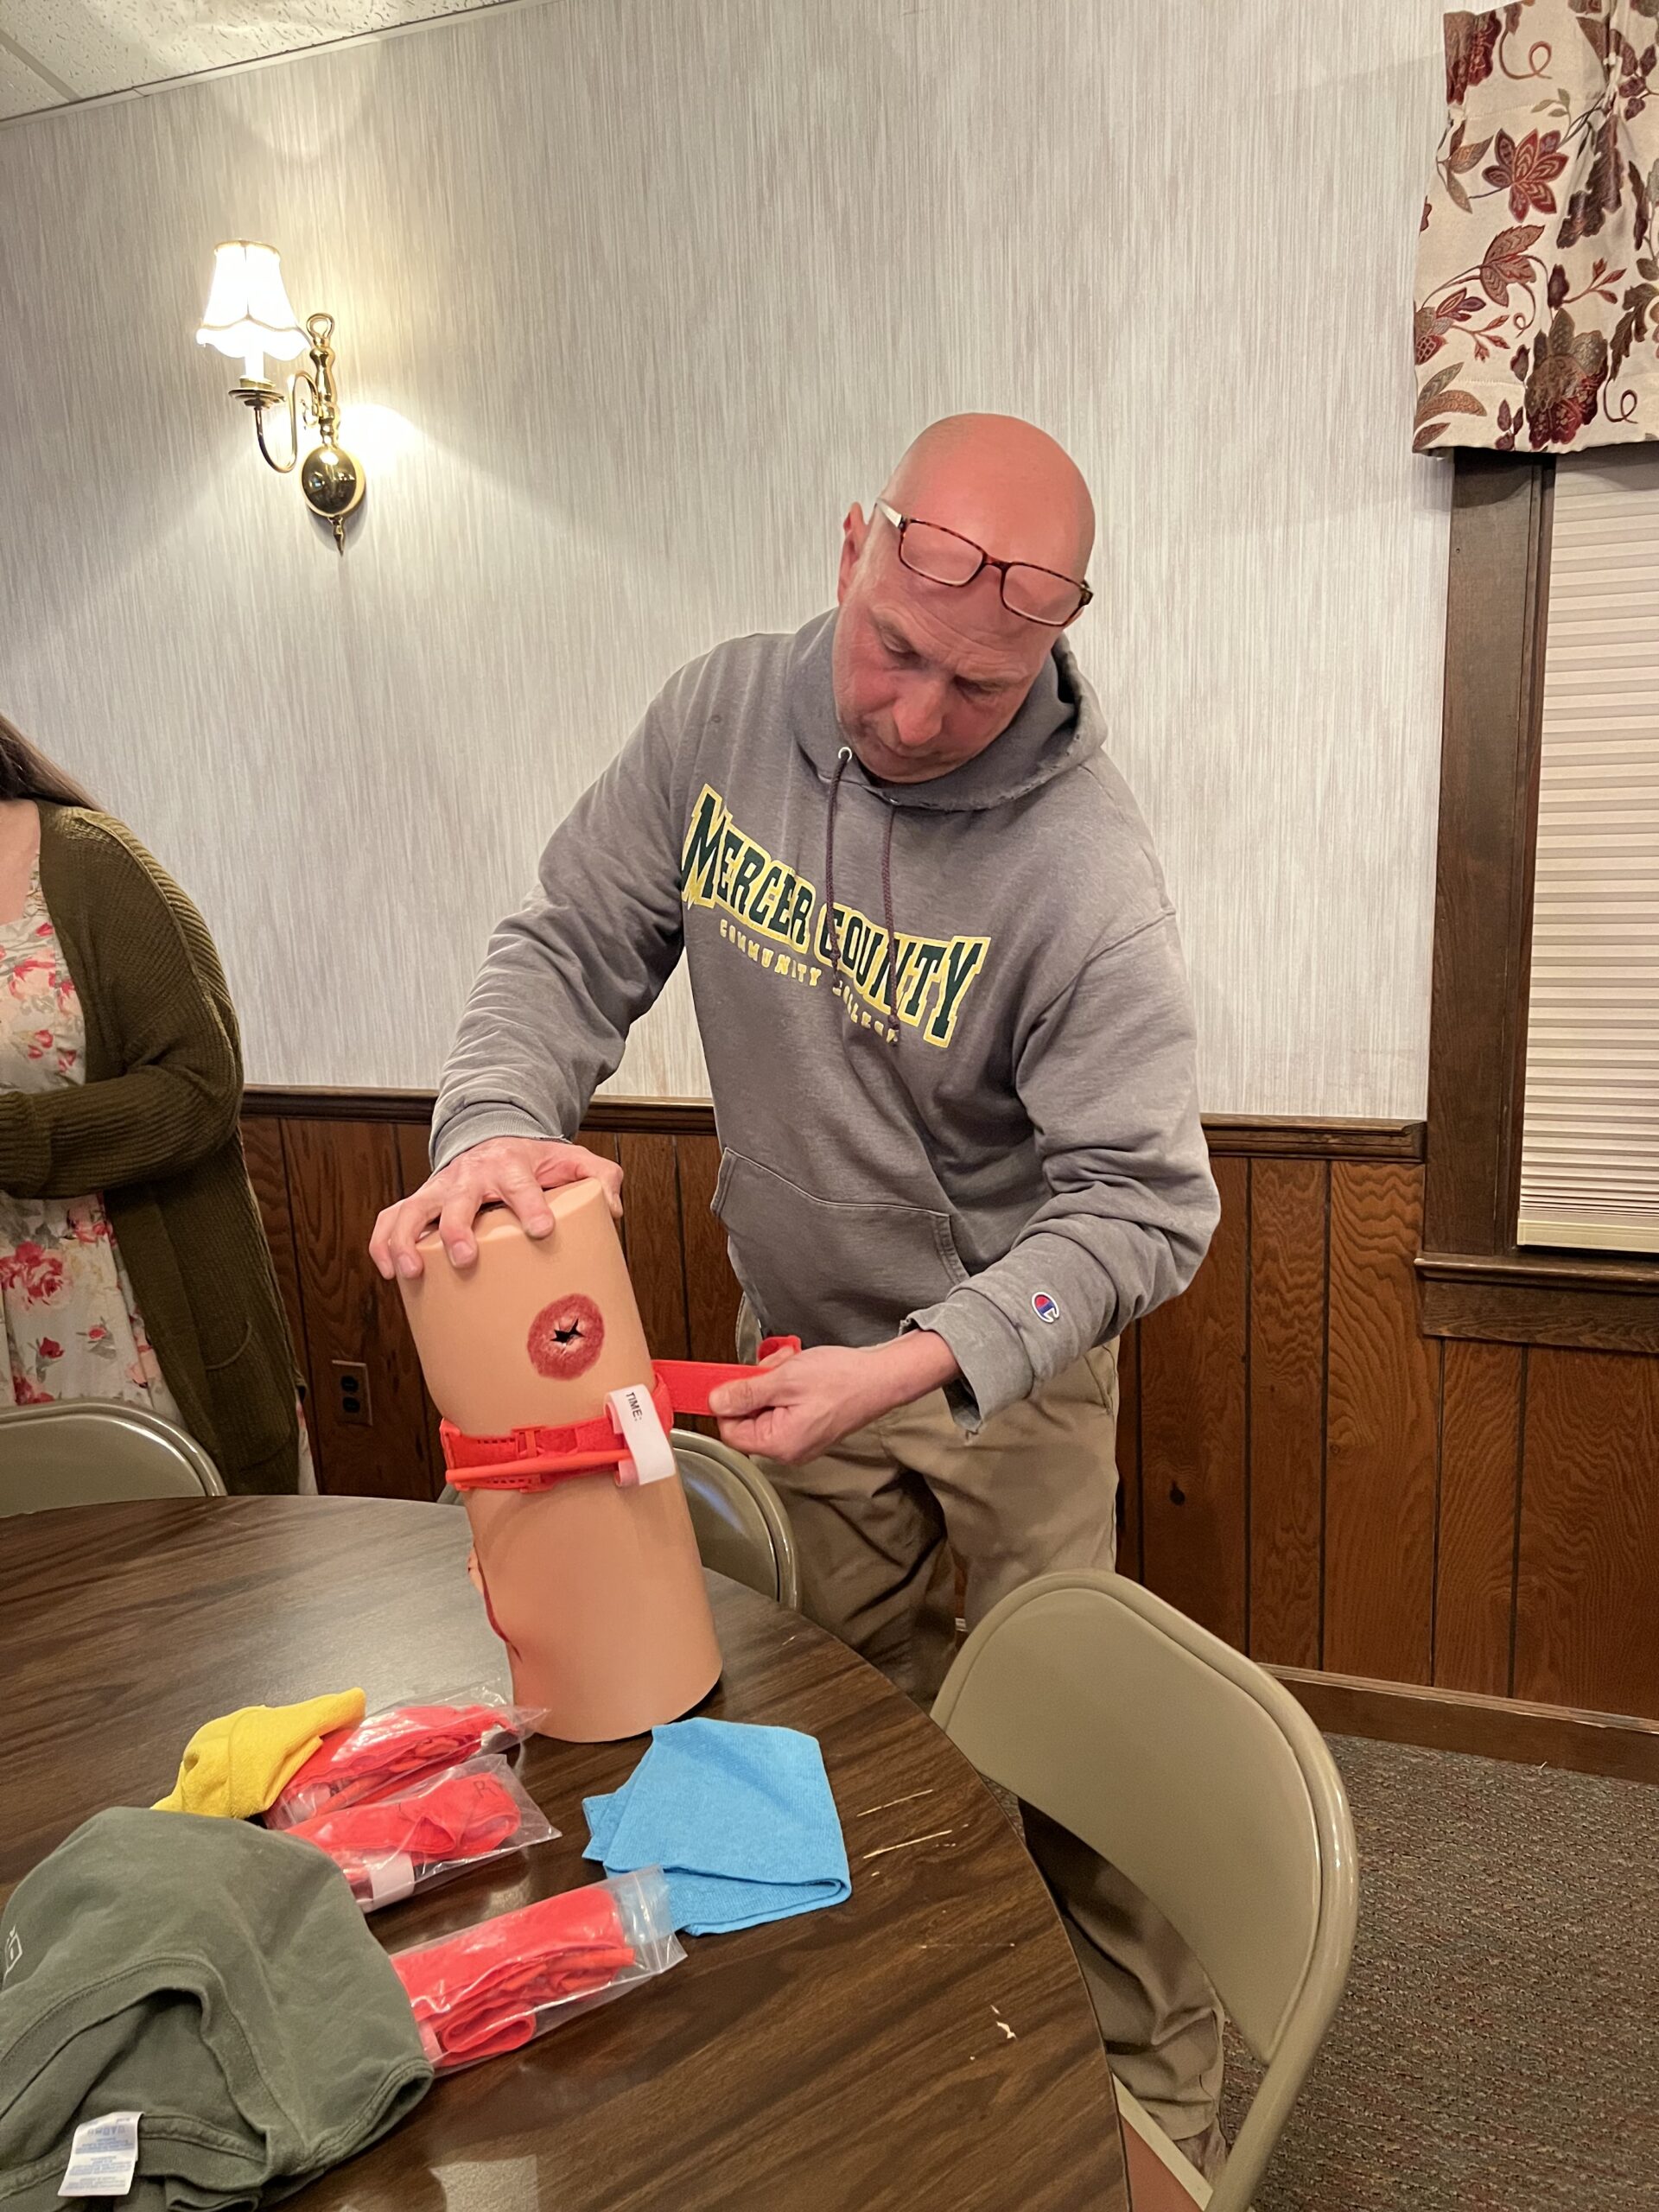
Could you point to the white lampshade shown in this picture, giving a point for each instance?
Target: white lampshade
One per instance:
(247, 313)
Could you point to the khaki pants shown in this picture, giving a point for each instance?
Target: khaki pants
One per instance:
(880, 1523)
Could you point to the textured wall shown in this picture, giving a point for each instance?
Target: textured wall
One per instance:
(661, 285)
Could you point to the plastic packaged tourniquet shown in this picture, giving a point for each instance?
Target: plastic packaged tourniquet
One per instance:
(494, 1988)
(393, 1847)
(399, 1744)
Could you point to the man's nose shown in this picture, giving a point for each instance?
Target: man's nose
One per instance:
(918, 713)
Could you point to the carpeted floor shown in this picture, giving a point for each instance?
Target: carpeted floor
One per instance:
(1498, 2047)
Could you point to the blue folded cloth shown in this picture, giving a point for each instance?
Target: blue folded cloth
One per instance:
(740, 1819)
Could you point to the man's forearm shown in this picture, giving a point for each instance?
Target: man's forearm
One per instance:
(803, 1403)
(567, 973)
(912, 1365)
(460, 1128)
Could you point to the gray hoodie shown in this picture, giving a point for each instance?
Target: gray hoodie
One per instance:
(996, 1134)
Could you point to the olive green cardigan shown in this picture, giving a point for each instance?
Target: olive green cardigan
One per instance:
(153, 1128)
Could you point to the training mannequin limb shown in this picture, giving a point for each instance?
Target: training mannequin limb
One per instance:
(591, 1574)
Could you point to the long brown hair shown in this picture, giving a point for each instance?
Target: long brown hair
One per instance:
(25, 772)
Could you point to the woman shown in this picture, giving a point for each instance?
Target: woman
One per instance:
(132, 1261)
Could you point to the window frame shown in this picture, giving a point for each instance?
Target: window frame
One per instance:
(1477, 1281)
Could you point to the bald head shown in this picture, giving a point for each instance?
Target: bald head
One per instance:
(928, 674)
(1004, 483)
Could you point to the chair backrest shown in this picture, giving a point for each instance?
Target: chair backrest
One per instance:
(1197, 1776)
(742, 1527)
(94, 1453)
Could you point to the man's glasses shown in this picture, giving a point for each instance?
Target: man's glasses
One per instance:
(943, 557)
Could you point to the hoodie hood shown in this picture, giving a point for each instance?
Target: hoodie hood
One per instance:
(1058, 727)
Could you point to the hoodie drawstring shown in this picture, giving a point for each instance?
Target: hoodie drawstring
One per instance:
(887, 912)
(843, 761)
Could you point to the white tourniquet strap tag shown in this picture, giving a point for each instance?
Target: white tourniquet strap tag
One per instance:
(650, 1455)
(390, 1878)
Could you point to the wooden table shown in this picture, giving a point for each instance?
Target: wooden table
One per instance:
(929, 2044)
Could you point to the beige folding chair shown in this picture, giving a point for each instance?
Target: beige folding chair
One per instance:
(91, 1452)
(742, 1529)
(1200, 1778)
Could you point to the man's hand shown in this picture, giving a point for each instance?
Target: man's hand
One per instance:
(514, 1171)
(807, 1400)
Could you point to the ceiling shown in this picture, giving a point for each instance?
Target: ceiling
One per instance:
(53, 52)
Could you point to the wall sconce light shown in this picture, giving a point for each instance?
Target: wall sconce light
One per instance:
(248, 316)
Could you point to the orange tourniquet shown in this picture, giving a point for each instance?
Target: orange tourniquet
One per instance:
(533, 1459)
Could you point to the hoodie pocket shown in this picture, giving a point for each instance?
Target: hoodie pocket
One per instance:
(831, 1270)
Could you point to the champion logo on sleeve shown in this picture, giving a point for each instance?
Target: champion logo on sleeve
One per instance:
(1045, 1307)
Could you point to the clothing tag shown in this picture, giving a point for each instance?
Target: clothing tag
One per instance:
(650, 1456)
(103, 2157)
(390, 1878)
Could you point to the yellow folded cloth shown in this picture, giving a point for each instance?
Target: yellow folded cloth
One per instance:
(238, 1765)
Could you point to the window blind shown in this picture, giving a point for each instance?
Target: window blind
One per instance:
(1589, 1132)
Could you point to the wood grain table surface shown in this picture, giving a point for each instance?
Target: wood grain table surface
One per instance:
(929, 2044)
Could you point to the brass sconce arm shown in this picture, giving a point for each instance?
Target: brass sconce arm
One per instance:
(260, 401)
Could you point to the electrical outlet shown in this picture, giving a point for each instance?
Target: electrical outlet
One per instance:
(351, 1392)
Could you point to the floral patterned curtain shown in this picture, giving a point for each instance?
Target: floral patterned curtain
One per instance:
(1537, 310)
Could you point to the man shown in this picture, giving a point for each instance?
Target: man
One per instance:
(949, 1041)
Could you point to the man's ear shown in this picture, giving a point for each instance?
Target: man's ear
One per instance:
(854, 531)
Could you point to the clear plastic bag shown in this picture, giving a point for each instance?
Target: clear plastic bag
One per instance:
(399, 1746)
(494, 1987)
(392, 1847)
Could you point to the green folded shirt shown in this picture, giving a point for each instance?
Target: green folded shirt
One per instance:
(215, 1978)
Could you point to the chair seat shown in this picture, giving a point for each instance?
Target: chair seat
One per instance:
(1160, 2178)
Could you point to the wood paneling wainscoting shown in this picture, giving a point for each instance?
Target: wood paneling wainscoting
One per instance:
(1303, 1471)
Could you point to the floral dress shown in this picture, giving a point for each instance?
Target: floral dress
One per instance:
(70, 1324)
